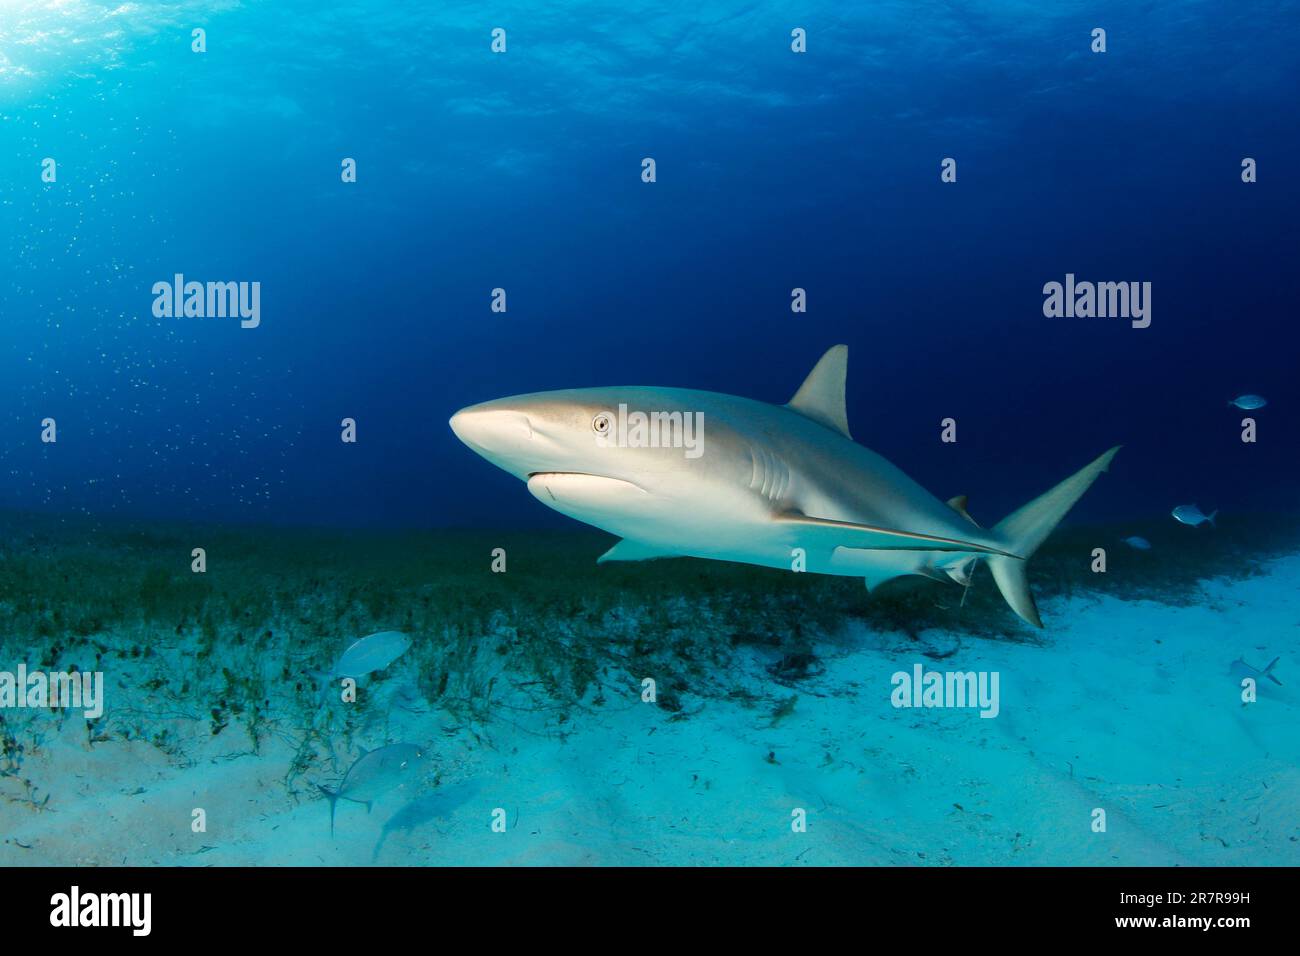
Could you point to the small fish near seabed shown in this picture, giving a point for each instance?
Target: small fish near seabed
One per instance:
(438, 805)
(1137, 543)
(375, 773)
(1191, 515)
(1241, 670)
(374, 652)
(1249, 402)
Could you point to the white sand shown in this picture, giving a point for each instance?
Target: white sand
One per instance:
(1123, 706)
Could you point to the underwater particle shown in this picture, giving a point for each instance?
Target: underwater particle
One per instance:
(1249, 402)
(373, 774)
(371, 653)
(1192, 515)
(1138, 543)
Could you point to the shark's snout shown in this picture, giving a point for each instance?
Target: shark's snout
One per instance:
(492, 429)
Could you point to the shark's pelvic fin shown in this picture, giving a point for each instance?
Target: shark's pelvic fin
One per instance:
(958, 505)
(865, 537)
(821, 396)
(1024, 530)
(627, 550)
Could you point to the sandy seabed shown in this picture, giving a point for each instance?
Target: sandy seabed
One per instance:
(1122, 706)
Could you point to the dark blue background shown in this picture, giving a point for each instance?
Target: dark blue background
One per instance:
(774, 171)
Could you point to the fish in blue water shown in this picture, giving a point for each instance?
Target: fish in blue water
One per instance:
(1191, 515)
(373, 774)
(1249, 402)
(1137, 543)
(371, 653)
(768, 484)
(1241, 670)
(438, 805)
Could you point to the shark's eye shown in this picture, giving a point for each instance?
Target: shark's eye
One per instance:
(601, 424)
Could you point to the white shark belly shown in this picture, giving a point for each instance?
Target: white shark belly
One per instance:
(697, 526)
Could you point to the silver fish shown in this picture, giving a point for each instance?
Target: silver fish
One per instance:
(374, 774)
(371, 653)
(1191, 515)
(1249, 402)
(1138, 544)
(1240, 670)
(438, 805)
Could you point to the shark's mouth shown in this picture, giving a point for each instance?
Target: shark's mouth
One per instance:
(573, 489)
(578, 474)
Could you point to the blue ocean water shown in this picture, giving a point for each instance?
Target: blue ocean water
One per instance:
(775, 170)
(522, 171)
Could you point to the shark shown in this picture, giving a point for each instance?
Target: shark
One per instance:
(677, 472)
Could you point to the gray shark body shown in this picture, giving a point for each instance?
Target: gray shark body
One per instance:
(782, 486)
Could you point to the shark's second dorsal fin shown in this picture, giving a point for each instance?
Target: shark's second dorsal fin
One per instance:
(958, 505)
(821, 396)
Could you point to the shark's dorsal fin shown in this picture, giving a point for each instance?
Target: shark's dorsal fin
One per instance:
(958, 505)
(821, 396)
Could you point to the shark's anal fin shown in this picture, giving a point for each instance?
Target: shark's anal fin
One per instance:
(846, 534)
(821, 396)
(961, 571)
(627, 550)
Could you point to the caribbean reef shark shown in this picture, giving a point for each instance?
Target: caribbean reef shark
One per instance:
(679, 472)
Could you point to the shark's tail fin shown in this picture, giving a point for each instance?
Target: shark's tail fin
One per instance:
(1024, 530)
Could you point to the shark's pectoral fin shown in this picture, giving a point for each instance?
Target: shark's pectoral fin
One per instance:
(845, 534)
(628, 550)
